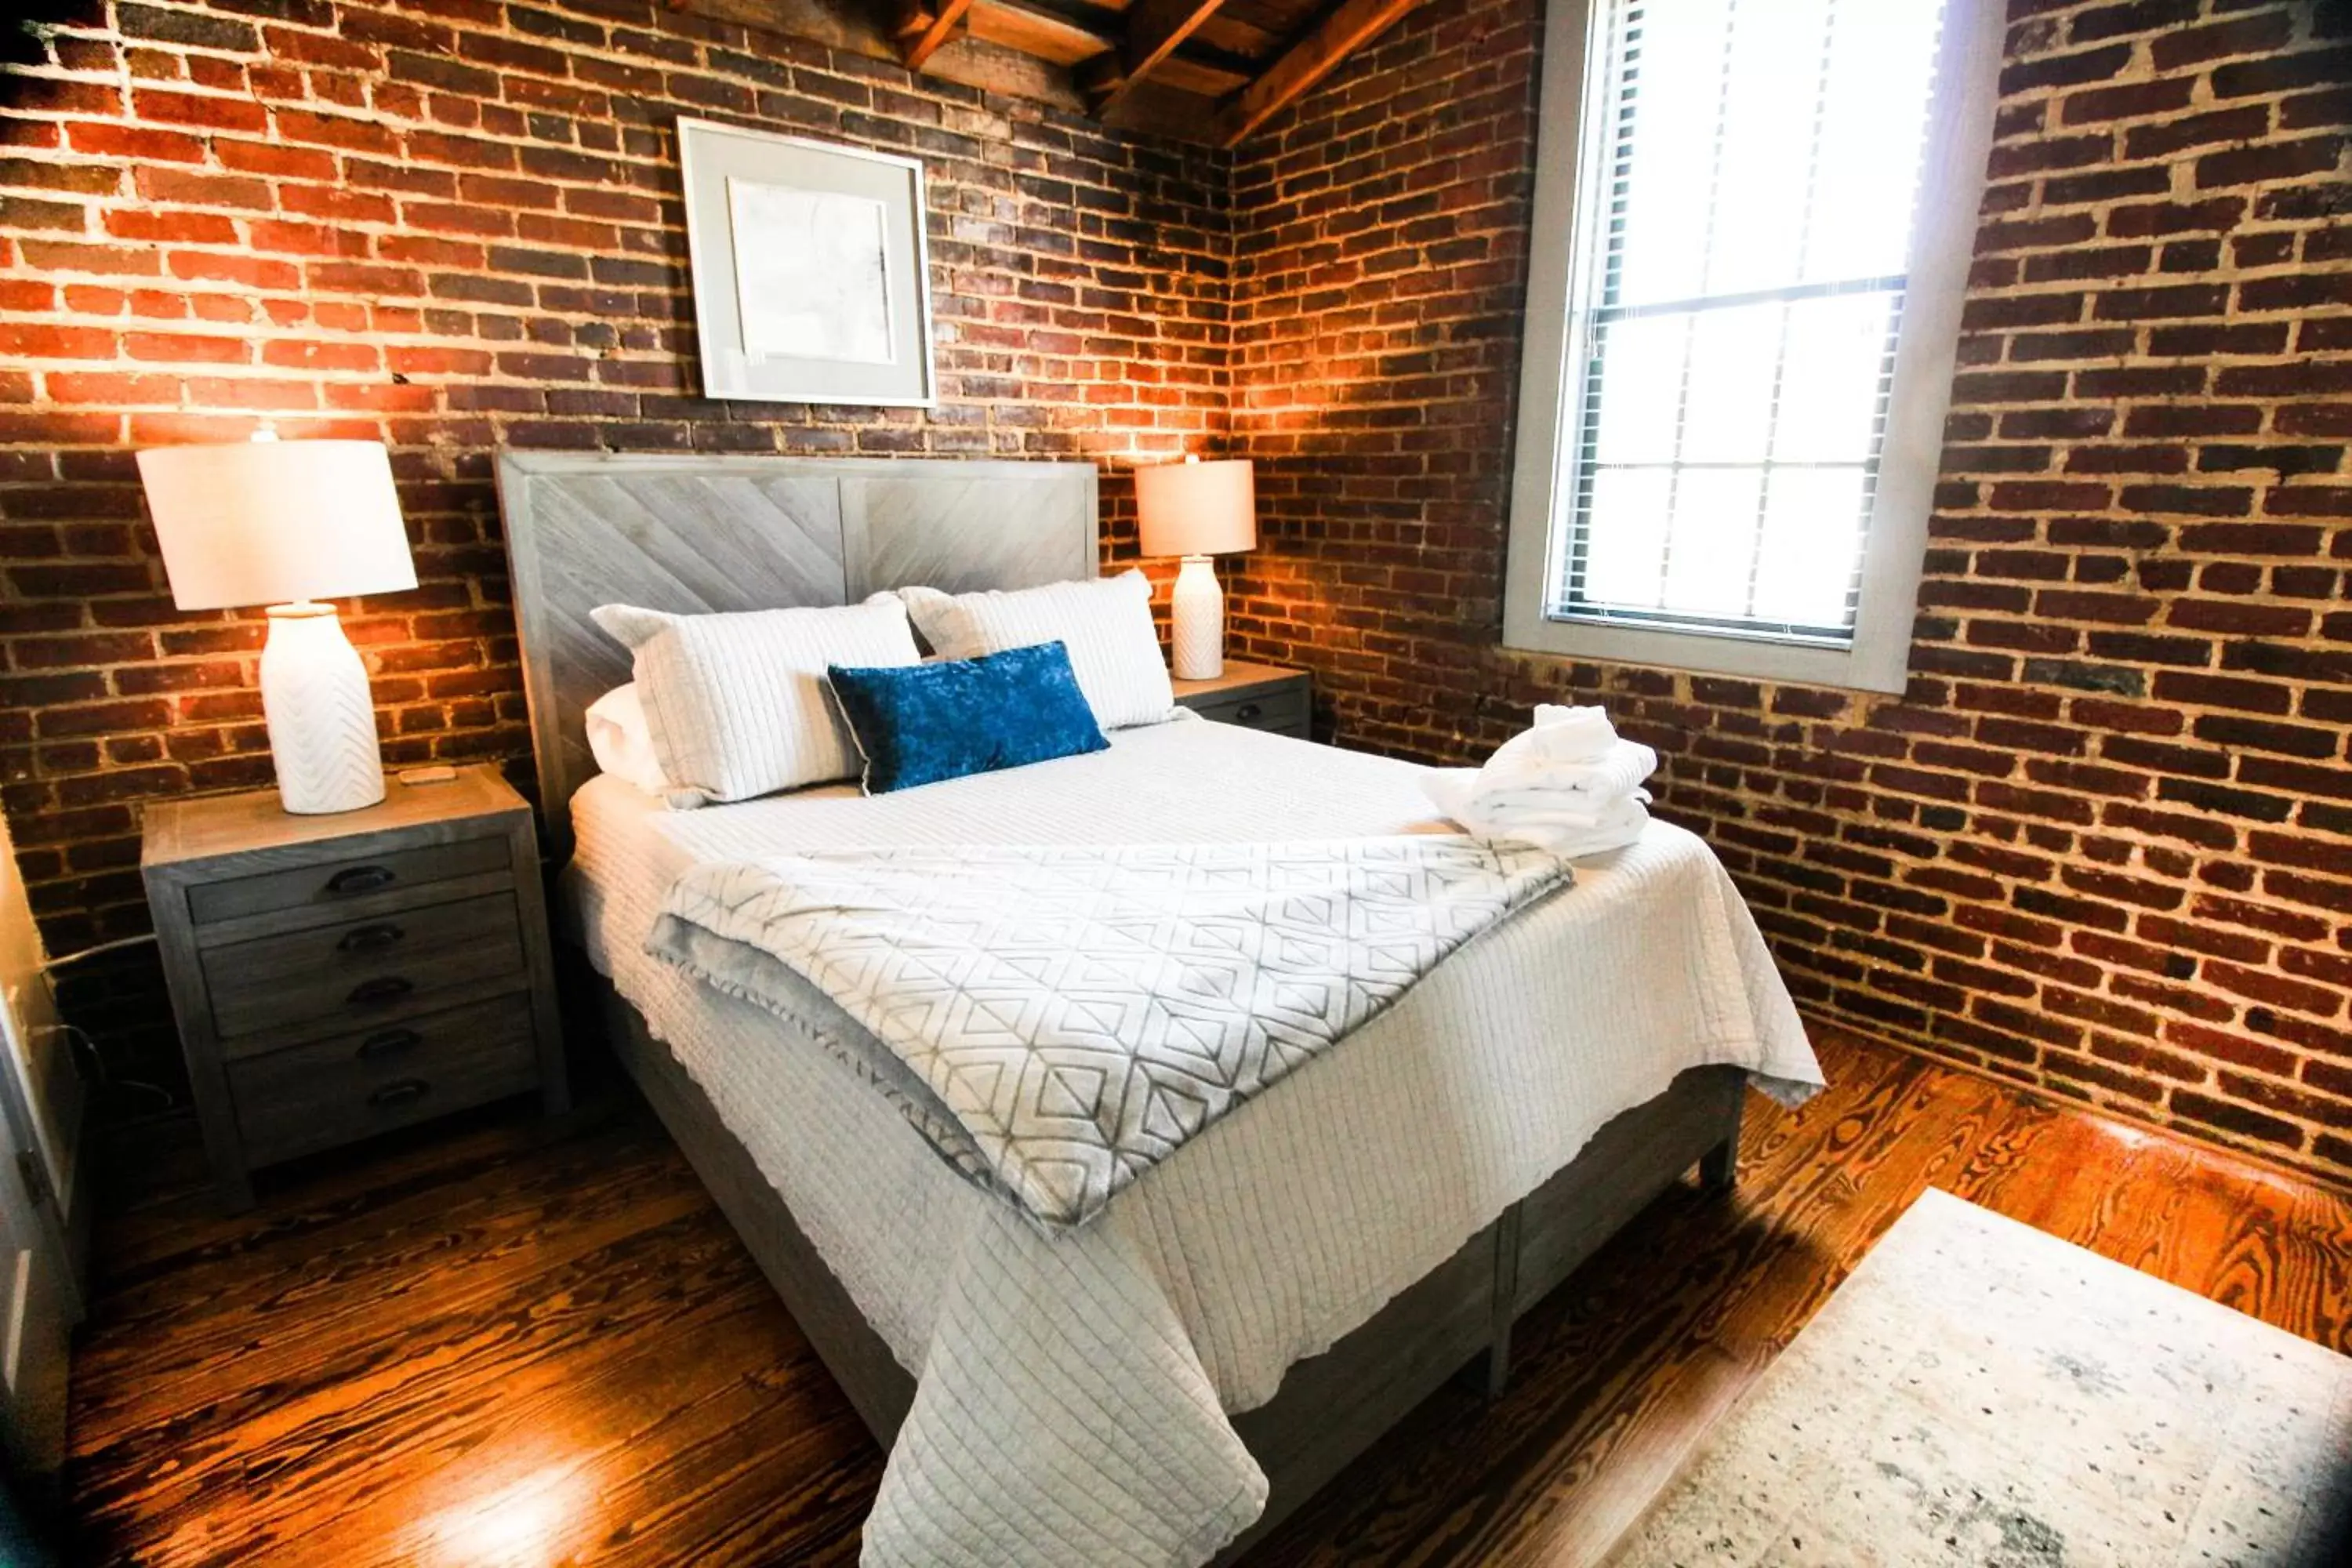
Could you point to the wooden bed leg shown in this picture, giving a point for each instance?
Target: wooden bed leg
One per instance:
(1718, 1168)
(1498, 1358)
(1493, 1370)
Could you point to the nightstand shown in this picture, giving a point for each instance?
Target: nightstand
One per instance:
(1267, 696)
(338, 976)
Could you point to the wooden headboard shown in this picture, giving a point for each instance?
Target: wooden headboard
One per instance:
(709, 532)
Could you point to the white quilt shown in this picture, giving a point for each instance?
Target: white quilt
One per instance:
(1072, 1394)
(1060, 1019)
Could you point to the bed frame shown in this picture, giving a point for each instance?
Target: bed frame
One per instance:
(722, 532)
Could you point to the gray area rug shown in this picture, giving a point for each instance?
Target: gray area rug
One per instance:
(1979, 1393)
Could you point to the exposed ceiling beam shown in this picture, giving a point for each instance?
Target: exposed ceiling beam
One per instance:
(1154, 28)
(1309, 61)
(944, 23)
(1035, 30)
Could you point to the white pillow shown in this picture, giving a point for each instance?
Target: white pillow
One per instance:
(622, 743)
(1104, 622)
(738, 705)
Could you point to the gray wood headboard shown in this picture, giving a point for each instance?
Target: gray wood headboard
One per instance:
(709, 532)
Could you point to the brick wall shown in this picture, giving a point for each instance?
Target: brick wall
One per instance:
(2103, 845)
(451, 226)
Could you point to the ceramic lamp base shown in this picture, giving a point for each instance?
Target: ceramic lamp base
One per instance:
(314, 692)
(1198, 618)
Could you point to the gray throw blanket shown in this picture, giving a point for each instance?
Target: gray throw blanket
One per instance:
(1059, 1019)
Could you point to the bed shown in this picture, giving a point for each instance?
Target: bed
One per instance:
(1168, 1383)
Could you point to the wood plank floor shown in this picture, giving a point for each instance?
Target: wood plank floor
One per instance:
(518, 1344)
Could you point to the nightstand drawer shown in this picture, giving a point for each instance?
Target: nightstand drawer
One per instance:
(333, 882)
(360, 968)
(336, 975)
(314, 1097)
(1282, 711)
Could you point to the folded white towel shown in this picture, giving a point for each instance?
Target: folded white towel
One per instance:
(1584, 728)
(1616, 774)
(1567, 784)
(1565, 830)
(1614, 831)
(1565, 813)
(1565, 735)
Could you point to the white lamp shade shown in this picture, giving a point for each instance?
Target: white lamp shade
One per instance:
(1196, 509)
(270, 522)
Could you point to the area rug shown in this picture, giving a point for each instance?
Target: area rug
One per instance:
(1979, 1393)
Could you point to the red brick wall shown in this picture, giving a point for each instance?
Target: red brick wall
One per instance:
(2103, 845)
(450, 226)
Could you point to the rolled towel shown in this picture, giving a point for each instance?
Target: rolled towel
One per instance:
(1564, 735)
(1618, 772)
(1587, 727)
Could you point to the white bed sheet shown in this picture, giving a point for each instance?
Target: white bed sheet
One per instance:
(1290, 1222)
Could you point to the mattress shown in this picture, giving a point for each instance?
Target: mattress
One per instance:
(1288, 1223)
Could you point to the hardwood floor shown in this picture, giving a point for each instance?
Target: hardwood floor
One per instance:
(520, 1345)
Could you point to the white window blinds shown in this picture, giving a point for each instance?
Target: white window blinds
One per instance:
(1748, 221)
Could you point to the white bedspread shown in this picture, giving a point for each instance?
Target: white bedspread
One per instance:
(1070, 1393)
(1059, 1018)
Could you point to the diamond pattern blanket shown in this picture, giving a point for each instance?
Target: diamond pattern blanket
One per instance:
(1058, 1019)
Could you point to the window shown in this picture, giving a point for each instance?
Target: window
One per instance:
(1753, 223)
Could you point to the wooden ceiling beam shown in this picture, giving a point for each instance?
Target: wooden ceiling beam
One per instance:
(905, 20)
(944, 23)
(1312, 57)
(1038, 31)
(1154, 29)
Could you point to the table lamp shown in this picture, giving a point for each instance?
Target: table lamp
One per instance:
(284, 523)
(1197, 509)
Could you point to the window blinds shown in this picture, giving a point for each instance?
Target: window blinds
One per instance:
(1750, 223)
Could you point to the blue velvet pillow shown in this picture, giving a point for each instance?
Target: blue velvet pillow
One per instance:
(920, 724)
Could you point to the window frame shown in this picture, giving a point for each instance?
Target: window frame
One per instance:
(1570, 166)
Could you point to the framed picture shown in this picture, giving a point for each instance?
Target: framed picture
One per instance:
(812, 279)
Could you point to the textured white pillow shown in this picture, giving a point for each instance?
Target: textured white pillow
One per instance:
(622, 742)
(738, 705)
(1104, 622)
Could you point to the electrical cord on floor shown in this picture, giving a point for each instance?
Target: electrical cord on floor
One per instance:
(117, 945)
(88, 1058)
(91, 1063)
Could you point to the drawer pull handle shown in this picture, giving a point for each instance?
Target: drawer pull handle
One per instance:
(1247, 711)
(388, 1043)
(383, 988)
(361, 880)
(405, 1091)
(370, 938)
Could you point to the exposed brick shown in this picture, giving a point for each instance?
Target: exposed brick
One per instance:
(2280, 73)
(2127, 643)
(2063, 70)
(2191, 47)
(159, 25)
(276, 260)
(2098, 845)
(2225, 1116)
(2271, 161)
(211, 111)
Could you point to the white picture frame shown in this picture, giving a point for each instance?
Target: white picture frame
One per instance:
(810, 268)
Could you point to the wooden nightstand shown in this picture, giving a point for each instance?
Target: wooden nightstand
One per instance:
(338, 976)
(1256, 696)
